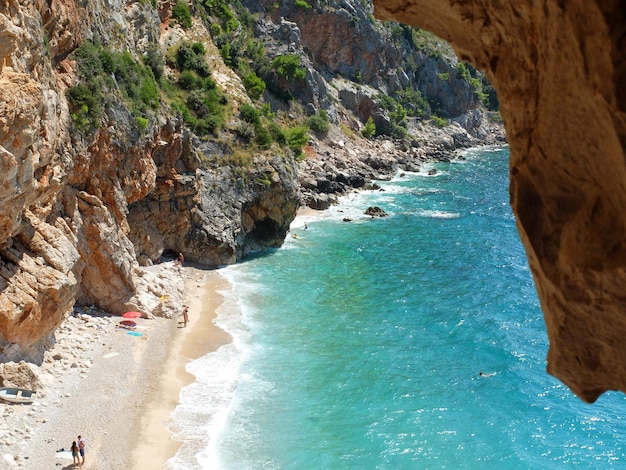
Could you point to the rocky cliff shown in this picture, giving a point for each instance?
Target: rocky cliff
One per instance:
(131, 131)
(560, 71)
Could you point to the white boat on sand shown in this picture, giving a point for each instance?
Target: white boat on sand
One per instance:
(17, 395)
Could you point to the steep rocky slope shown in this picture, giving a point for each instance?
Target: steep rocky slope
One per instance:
(560, 71)
(131, 131)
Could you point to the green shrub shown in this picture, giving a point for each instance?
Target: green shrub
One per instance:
(297, 138)
(209, 125)
(491, 98)
(181, 13)
(188, 80)
(255, 50)
(89, 60)
(142, 123)
(215, 30)
(288, 66)
(221, 10)
(303, 4)
(413, 102)
(444, 76)
(229, 18)
(319, 122)
(438, 121)
(266, 110)
(136, 84)
(462, 72)
(495, 117)
(369, 129)
(225, 53)
(398, 116)
(245, 130)
(108, 61)
(198, 48)
(477, 89)
(188, 59)
(397, 33)
(396, 131)
(250, 114)
(263, 138)
(424, 41)
(149, 93)
(277, 133)
(155, 60)
(86, 106)
(196, 100)
(208, 84)
(255, 86)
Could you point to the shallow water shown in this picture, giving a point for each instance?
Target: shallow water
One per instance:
(360, 345)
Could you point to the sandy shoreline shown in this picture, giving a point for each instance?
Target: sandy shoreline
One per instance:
(200, 337)
(116, 390)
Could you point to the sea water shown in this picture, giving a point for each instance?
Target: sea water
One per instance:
(360, 344)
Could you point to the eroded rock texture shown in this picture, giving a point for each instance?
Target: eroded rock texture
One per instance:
(79, 213)
(560, 71)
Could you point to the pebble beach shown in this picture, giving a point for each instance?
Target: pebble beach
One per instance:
(113, 388)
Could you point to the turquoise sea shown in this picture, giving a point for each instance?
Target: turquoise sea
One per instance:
(359, 345)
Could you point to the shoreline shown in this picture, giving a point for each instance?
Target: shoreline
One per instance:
(200, 337)
(119, 391)
(115, 389)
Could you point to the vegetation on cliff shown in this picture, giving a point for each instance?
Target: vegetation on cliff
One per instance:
(424, 79)
(197, 127)
(255, 80)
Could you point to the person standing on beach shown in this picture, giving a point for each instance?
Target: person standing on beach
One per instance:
(81, 450)
(75, 454)
(185, 315)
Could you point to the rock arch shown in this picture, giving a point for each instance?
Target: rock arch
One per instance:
(560, 71)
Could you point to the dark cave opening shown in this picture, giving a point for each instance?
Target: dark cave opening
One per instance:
(266, 232)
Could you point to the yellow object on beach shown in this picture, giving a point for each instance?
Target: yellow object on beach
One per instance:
(163, 298)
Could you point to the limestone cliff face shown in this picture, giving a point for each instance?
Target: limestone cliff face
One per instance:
(560, 72)
(211, 214)
(80, 212)
(338, 37)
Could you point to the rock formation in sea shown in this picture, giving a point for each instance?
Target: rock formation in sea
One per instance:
(560, 72)
(132, 131)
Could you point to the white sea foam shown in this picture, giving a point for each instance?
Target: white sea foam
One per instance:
(436, 214)
(204, 405)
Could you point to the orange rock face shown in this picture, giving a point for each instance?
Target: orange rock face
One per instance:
(560, 72)
(79, 211)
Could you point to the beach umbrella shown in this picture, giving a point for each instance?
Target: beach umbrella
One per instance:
(131, 315)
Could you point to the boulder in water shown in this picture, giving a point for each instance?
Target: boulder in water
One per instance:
(375, 211)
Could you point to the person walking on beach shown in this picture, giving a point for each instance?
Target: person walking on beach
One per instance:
(75, 454)
(81, 450)
(185, 315)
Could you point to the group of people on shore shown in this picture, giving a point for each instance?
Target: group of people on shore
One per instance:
(78, 452)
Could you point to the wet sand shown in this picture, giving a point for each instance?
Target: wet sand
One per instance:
(200, 337)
